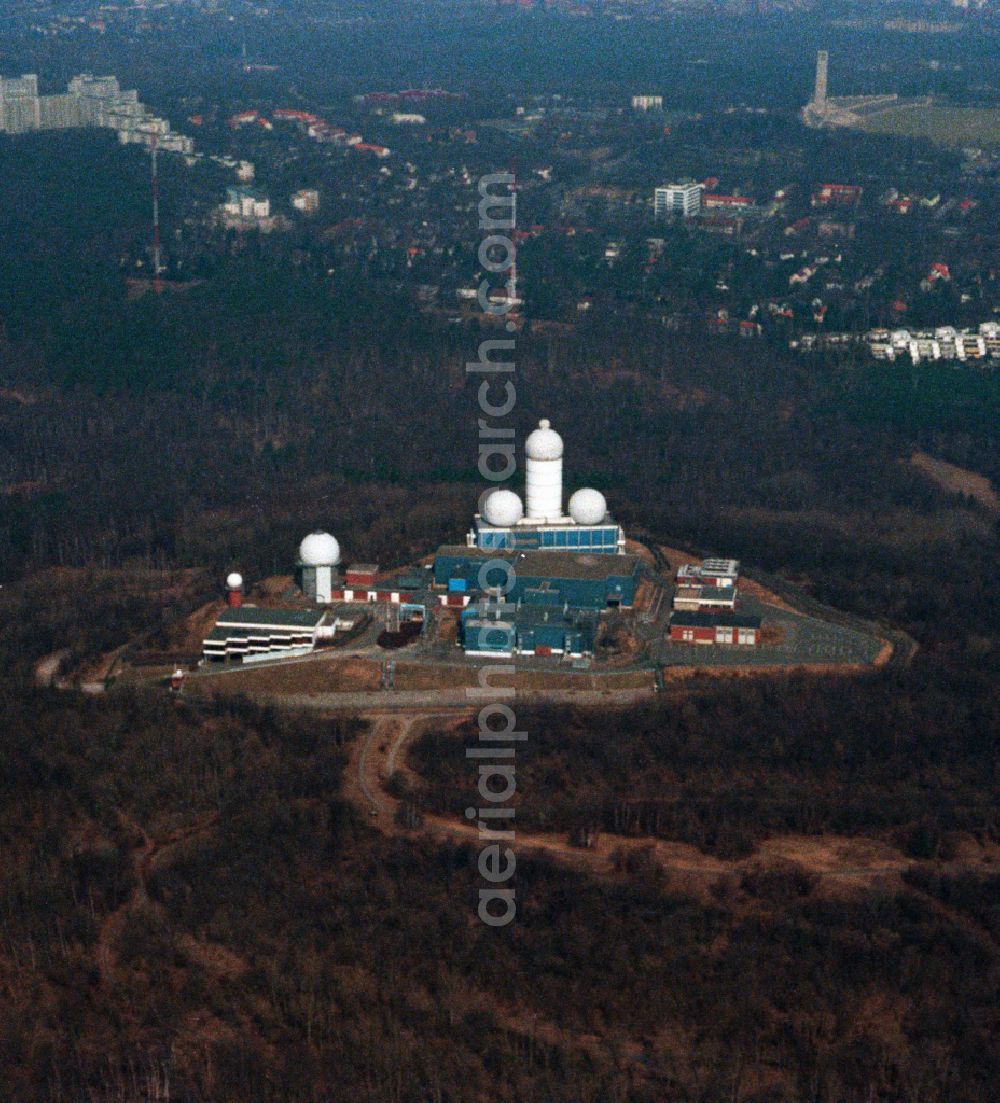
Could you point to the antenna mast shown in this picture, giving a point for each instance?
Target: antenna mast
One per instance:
(512, 282)
(157, 268)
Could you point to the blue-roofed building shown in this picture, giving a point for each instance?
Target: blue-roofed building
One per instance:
(528, 630)
(578, 580)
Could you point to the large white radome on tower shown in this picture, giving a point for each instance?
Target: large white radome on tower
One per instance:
(503, 508)
(588, 506)
(319, 549)
(544, 443)
(543, 473)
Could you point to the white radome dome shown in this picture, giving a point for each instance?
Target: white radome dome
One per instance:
(503, 508)
(544, 443)
(319, 549)
(588, 506)
(234, 581)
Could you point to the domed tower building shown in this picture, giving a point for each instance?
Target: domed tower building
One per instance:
(539, 523)
(315, 572)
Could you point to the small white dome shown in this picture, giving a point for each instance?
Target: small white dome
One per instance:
(588, 506)
(234, 581)
(544, 443)
(503, 508)
(319, 549)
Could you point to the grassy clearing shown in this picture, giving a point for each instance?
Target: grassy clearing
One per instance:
(952, 126)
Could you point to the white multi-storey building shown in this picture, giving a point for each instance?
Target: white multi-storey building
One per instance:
(683, 199)
(19, 108)
(88, 101)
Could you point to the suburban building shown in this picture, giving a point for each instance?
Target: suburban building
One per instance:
(705, 599)
(736, 629)
(306, 200)
(682, 199)
(709, 572)
(88, 101)
(19, 107)
(727, 202)
(245, 202)
(836, 195)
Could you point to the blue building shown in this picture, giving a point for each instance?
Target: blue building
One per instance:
(541, 521)
(577, 580)
(606, 537)
(528, 630)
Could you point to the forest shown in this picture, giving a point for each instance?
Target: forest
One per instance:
(193, 912)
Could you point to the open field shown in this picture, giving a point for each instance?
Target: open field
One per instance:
(320, 673)
(326, 673)
(951, 126)
(957, 480)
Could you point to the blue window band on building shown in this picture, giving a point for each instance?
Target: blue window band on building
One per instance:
(603, 538)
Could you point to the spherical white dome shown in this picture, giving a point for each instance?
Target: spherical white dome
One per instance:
(234, 581)
(588, 506)
(503, 508)
(544, 443)
(319, 549)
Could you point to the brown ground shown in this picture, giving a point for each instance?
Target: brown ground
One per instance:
(434, 676)
(884, 655)
(135, 288)
(189, 633)
(958, 480)
(324, 672)
(675, 557)
(840, 670)
(754, 589)
(633, 547)
(839, 862)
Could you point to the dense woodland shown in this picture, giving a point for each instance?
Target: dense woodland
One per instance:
(187, 901)
(187, 898)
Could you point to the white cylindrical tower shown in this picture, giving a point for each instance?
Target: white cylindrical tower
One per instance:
(319, 553)
(543, 474)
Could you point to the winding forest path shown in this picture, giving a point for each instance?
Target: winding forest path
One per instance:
(143, 856)
(382, 752)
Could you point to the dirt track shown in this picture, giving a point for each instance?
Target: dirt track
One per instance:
(144, 855)
(831, 858)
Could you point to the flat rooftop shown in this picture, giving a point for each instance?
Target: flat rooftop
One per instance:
(245, 616)
(714, 620)
(533, 523)
(552, 564)
(707, 593)
(710, 568)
